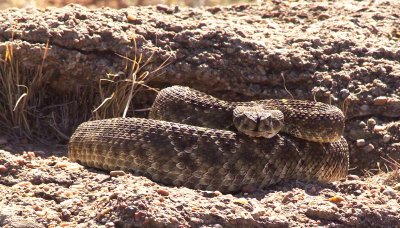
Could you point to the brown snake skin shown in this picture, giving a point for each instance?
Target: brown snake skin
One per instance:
(309, 120)
(204, 158)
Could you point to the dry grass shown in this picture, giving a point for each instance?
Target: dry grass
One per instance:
(390, 170)
(394, 174)
(29, 109)
(117, 90)
(17, 100)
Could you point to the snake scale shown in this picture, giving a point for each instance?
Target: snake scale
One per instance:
(208, 158)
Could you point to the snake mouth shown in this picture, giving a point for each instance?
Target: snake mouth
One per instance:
(258, 126)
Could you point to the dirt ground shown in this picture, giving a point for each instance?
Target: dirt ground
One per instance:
(53, 192)
(343, 52)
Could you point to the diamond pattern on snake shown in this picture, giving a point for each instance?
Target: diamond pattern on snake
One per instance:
(194, 140)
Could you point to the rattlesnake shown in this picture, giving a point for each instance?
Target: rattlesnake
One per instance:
(203, 157)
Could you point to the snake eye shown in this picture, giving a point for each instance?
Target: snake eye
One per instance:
(245, 123)
(251, 124)
(248, 123)
(276, 124)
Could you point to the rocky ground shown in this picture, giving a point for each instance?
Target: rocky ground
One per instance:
(53, 192)
(344, 52)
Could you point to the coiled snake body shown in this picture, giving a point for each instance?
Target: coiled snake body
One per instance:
(207, 157)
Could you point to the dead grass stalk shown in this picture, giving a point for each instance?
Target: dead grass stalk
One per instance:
(29, 108)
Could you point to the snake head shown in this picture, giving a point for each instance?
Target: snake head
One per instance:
(257, 121)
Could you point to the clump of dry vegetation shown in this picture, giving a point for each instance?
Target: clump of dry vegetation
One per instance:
(17, 100)
(393, 176)
(29, 108)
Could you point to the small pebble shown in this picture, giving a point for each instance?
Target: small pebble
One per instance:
(114, 195)
(104, 212)
(69, 194)
(61, 165)
(312, 190)
(357, 192)
(369, 148)
(213, 210)
(209, 194)
(364, 107)
(162, 192)
(110, 224)
(3, 169)
(380, 100)
(20, 161)
(278, 209)
(37, 208)
(131, 18)
(258, 212)
(31, 154)
(346, 65)
(287, 197)
(40, 213)
(360, 142)
(162, 7)
(323, 16)
(24, 184)
(241, 201)
(65, 224)
(362, 124)
(344, 93)
(371, 122)
(173, 220)
(345, 77)
(350, 211)
(390, 192)
(196, 220)
(46, 188)
(116, 173)
(217, 226)
(379, 128)
(353, 177)
(397, 187)
(65, 214)
(336, 199)
(386, 138)
(304, 206)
